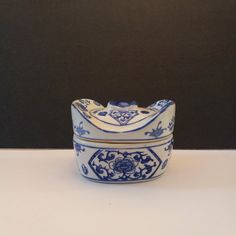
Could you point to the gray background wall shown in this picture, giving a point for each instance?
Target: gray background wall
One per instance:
(52, 52)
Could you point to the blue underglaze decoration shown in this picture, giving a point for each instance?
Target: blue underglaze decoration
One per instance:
(156, 132)
(102, 113)
(122, 104)
(98, 113)
(85, 102)
(123, 117)
(84, 169)
(164, 102)
(161, 104)
(164, 164)
(125, 148)
(171, 124)
(169, 147)
(80, 130)
(128, 131)
(81, 106)
(79, 148)
(114, 165)
(145, 112)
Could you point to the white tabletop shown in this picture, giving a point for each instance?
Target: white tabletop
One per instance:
(41, 193)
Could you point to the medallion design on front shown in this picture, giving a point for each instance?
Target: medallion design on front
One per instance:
(116, 165)
(123, 117)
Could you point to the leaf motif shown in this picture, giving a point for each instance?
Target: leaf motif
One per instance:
(110, 156)
(146, 160)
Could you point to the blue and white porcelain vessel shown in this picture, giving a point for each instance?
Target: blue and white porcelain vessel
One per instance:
(122, 143)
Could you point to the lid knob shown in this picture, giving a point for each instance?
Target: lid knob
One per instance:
(121, 105)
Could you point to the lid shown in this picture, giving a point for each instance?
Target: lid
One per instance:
(122, 121)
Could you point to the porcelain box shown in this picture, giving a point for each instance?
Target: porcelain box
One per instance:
(122, 143)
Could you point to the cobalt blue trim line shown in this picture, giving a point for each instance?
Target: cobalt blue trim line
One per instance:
(121, 182)
(124, 140)
(84, 145)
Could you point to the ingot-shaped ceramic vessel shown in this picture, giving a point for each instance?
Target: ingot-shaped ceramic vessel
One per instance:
(122, 143)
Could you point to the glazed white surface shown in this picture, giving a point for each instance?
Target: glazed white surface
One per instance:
(41, 193)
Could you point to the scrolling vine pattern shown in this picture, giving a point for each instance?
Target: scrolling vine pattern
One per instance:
(115, 165)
